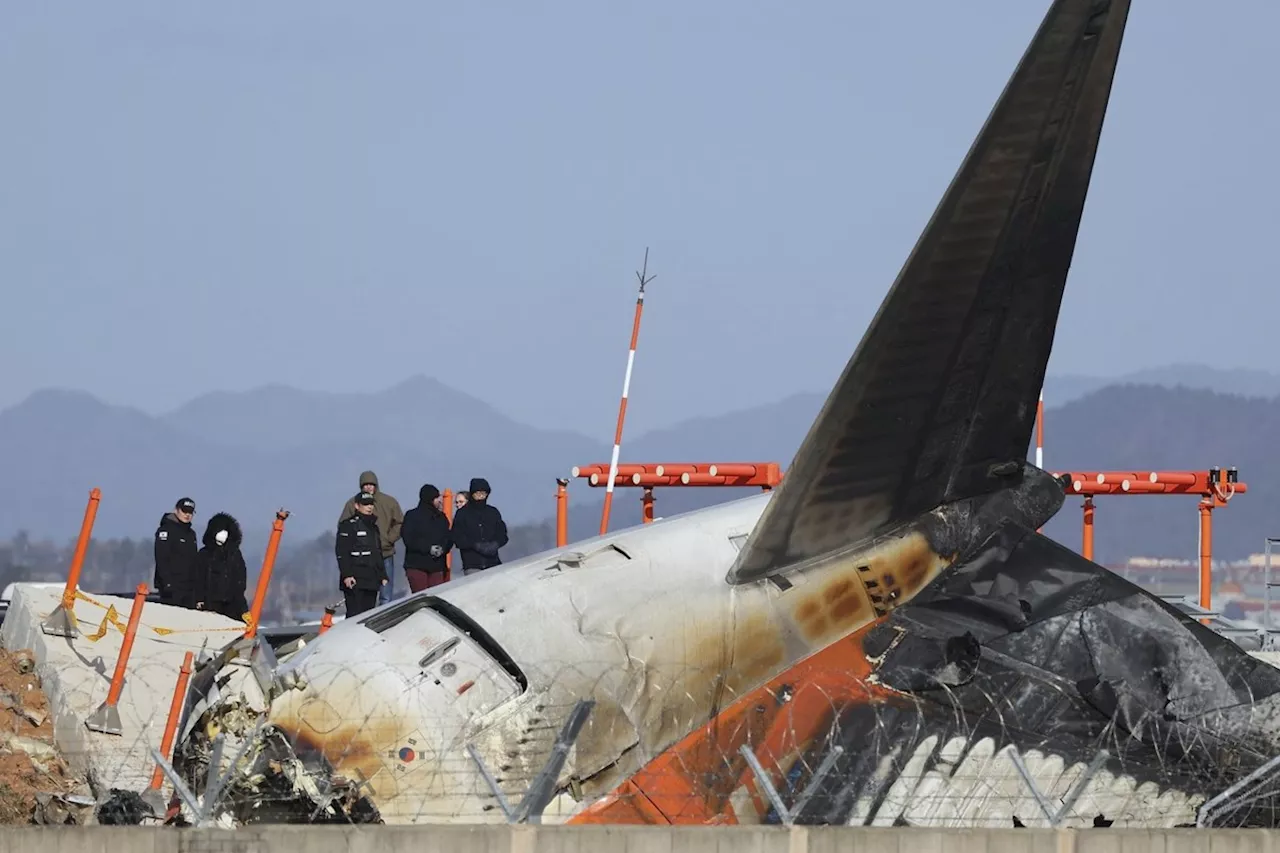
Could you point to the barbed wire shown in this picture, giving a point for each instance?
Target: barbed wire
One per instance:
(835, 749)
(397, 741)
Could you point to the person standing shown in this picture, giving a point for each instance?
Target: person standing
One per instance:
(361, 569)
(427, 540)
(478, 530)
(221, 575)
(175, 555)
(390, 519)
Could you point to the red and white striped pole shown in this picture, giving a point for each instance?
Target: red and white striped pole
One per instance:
(626, 388)
(1040, 437)
(1040, 431)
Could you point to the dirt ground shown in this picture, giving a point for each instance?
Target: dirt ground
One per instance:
(28, 763)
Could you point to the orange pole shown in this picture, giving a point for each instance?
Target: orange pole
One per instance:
(623, 470)
(562, 512)
(678, 469)
(647, 501)
(264, 576)
(1087, 546)
(82, 547)
(130, 631)
(448, 514)
(326, 621)
(175, 713)
(1206, 553)
(1178, 478)
(735, 469)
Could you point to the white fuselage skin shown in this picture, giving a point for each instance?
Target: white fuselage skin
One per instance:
(652, 633)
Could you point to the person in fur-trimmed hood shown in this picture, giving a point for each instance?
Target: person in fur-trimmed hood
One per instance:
(221, 574)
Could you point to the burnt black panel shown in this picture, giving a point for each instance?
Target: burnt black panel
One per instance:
(1031, 645)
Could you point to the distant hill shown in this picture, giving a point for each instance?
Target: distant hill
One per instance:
(252, 452)
(1147, 428)
(1065, 388)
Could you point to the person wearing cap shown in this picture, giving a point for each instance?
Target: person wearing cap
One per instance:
(221, 573)
(361, 570)
(390, 518)
(175, 553)
(427, 541)
(478, 530)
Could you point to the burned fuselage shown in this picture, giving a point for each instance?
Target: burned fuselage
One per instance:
(386, 714)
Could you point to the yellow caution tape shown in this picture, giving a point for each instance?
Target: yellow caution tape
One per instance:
(112, 618)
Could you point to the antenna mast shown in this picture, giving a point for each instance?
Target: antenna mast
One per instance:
(644, 278)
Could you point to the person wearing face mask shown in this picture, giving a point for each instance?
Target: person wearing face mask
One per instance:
(175, 555)
(427, 541)
(221, 574)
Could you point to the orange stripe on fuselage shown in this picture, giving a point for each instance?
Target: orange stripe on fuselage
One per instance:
(692, 782)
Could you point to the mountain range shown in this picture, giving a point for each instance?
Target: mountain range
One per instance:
(251, 452)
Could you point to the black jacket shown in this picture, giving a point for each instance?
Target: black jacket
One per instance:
(359, 551)
(176, 571)
(425, 527)
(222, 575)
(479, 531)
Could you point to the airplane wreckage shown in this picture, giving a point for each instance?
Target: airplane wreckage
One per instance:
(886, 633)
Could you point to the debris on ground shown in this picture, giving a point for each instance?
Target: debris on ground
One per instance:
(123, 808)
(35, 783)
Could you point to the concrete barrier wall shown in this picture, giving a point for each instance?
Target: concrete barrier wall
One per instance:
(503, 839)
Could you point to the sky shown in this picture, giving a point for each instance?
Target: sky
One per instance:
(202, 197)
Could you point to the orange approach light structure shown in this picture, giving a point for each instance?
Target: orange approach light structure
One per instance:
(1215, 488)
(648, 476)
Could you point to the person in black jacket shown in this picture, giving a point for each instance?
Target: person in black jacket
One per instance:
(361, 571)
(175, 553)
(479, 531)
(427, 541)
(221, 575)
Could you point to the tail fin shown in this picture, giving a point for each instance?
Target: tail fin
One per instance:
(940, 395)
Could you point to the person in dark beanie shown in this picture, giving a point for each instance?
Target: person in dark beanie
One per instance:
(361, 571)
(221, 573)
(175, 554)
(427, 540)
(478, 530)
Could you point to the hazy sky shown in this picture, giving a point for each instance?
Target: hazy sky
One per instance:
(202, 196)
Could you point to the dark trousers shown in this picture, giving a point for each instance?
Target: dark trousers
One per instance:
(359, 600)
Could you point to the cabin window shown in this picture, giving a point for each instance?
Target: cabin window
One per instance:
(392, 616)
(607, 555)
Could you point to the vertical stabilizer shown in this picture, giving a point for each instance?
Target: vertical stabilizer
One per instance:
(939, 399)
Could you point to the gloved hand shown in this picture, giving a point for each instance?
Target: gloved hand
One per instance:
(436, 550)
(487, 548)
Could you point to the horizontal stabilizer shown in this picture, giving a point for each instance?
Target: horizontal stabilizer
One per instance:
(940, 394)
